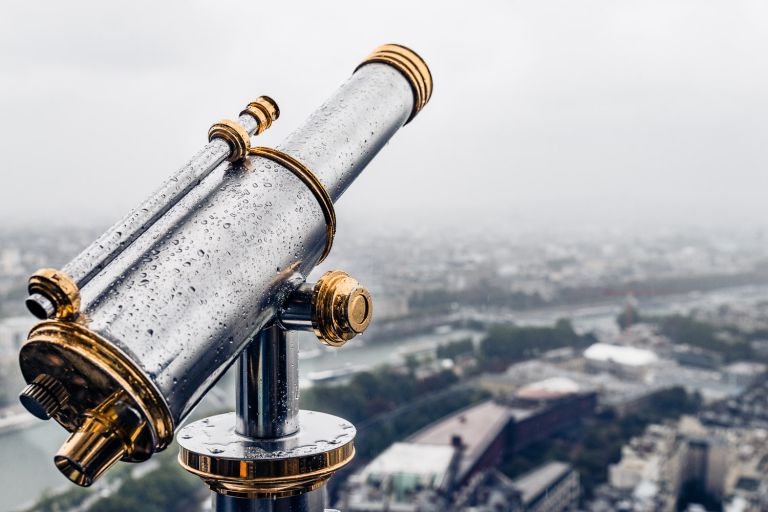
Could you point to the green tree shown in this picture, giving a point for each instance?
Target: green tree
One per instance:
(456, 348)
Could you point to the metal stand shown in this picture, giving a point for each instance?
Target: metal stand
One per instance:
(268, 408)
(307, 502)
(268, 385)
(269, 455)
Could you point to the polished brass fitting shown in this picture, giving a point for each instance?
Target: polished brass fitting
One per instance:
(264, 110)
(57, 288)
(249, 468)
(95, 392)
(234, 135)
(341, 308)
(44, 396)
(411, 66)
(108, 433)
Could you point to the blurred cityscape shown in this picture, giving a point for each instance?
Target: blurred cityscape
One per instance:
(589, 370)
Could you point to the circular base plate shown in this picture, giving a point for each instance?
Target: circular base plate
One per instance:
(235, 465)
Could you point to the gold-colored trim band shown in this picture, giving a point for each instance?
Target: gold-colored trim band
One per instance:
(411, 66)
(265, 478)
(314, 185)
(59, 288)
(233, 134)
(264, 111)
(89, 347)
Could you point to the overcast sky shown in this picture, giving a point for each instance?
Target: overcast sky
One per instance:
(553, 112)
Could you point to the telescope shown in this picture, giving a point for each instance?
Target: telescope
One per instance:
(208, 271)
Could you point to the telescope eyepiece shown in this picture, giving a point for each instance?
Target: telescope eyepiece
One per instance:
(40, 306)
(107, 434)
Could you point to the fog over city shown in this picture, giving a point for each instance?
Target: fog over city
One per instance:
(544, 113)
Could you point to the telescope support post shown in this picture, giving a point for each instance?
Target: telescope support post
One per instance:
(268, 385)
(267, 400)
(269, 455)
(308, 502)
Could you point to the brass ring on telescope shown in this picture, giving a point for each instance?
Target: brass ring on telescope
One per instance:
(59, 288)
(74, 355)
(233, 134)
(314, 185)
(411, 66)
(265, 478)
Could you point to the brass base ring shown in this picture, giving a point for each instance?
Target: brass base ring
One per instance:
(244, 467)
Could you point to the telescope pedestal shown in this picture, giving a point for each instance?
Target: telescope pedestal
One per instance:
(268, 456)
(308, 502)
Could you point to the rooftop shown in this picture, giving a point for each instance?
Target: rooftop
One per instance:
(746, 368)
(477, 426)
(552, 387)
(535, 483)
(412, 464)
(619, 354)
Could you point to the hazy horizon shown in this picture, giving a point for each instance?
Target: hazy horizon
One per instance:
(625, 115)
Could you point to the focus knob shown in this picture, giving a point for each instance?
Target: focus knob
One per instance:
(44, 397)
(341, 308)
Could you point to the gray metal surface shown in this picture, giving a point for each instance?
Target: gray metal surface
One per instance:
(215, 436)
(296, 313)
(268, 385)
(313, 501)
(184, 299)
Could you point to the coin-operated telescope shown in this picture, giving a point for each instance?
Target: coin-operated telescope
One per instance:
(211, 269)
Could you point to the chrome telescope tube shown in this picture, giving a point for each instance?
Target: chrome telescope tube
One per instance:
(161, 318)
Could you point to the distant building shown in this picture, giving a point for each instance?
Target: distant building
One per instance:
(707, 464)
(476, 433)
(454, 454)
(406, 477)
(530, 425)
(650, 468)
(696, 356)
(552, 487)
(621, 360)
(420, 473)
(689, 460)
(744, 373)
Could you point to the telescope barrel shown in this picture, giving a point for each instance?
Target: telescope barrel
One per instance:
(173, 294)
